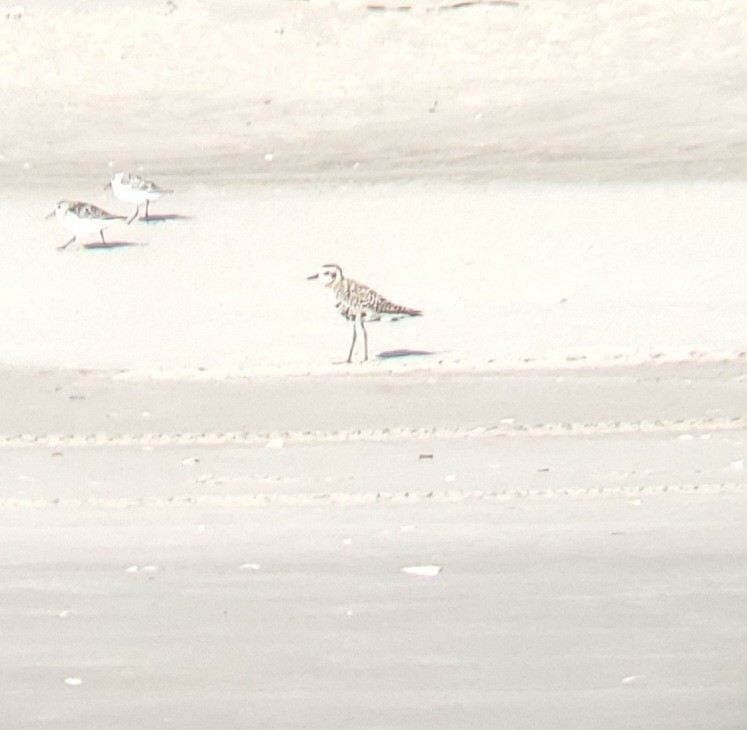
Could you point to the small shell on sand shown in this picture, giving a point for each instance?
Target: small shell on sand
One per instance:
(424, 571)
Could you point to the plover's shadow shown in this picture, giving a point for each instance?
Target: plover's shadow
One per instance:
(389, 355)
(98, 246)
(153, 220)
(398, 354)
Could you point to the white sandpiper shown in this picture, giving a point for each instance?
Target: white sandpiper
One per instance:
(135, 190)
(82, 219)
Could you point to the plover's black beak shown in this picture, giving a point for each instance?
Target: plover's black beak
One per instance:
(108, 185)
(48, 216)
(313, 276)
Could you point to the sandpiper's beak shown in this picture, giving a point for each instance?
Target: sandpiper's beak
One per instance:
(108, 185)
(313, 276)
(49, 215)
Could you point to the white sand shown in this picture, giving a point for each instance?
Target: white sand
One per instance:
(204, 516)
(504, 273)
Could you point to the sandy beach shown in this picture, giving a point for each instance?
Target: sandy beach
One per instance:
(526, 511)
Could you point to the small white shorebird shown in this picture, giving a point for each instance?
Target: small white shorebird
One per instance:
(134, 190)
(359, 303)
(83, 219)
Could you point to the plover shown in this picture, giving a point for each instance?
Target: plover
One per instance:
(134, 190)
(359, 303)
(82, 219)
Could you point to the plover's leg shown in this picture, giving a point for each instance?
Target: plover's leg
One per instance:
(65, 245)
(147, 203)
(101, 233)
(352, 344)
(365, 340)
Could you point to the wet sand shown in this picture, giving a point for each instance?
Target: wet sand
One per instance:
(253, 575)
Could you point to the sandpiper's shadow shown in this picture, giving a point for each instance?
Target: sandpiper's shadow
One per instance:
(402, 353)
(152, 220)
(98, 246)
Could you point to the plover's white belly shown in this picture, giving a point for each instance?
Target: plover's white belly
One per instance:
(151, 195)
(128, 195)
(82, 226)
(135, 196)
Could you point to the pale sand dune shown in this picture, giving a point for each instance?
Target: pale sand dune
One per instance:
(204, 517)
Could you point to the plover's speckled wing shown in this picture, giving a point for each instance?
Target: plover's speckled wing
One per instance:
(92, 212)
(146, 186)
(354, 298)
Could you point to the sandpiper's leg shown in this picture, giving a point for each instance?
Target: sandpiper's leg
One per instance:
(147, 203)
(352, 344)
(65, 245)
(101, 233)
(365, 340)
